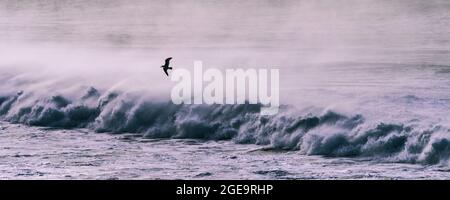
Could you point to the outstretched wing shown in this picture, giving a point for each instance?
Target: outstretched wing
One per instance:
(165, 71)
(167, 62)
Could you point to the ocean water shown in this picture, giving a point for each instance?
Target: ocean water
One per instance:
(40, 153)
(364, 87)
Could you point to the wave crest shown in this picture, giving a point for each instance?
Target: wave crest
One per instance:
(328, 134)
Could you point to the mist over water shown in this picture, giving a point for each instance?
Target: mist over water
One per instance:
(367, 78)
(114, 35)
(350, 46)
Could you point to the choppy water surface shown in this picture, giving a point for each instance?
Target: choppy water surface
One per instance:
(37, 153)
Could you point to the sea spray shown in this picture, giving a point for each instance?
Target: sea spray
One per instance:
(328, 133)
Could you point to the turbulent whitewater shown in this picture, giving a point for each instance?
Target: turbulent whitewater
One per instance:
(327, 132)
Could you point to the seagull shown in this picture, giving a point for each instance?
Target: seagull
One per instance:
(166, 66)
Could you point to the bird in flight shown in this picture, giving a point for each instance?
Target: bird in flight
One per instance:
(166, 66)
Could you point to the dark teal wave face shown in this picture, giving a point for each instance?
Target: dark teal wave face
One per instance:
(328, 133)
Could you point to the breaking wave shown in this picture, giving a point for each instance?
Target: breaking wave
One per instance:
(327, 133)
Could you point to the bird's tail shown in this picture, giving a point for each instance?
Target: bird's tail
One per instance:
(169, 68)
